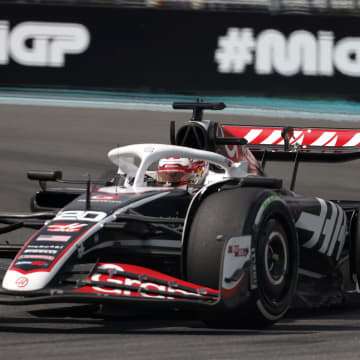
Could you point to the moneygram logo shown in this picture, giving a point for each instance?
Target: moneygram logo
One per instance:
(300, 53)
(41, 43)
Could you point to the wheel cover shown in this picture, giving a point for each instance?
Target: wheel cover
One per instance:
(276, 260)
(276, 267)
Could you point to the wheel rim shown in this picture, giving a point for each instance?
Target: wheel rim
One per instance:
(276, 265)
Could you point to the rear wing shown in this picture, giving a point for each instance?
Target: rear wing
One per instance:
(298, 144)
(266, 142)
(308, 144)
(312, 138)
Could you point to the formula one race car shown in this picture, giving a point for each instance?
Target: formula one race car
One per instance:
(193, 226)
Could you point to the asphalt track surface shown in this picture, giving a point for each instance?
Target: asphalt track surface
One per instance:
(76, 141)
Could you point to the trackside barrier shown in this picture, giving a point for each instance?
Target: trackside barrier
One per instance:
(178, 51)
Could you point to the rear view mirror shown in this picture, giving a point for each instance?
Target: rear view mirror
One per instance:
(44, 175)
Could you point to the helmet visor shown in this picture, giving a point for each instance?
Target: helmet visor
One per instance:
(168, 176)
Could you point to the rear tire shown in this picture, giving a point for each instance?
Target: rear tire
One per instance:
(276, 254)
(355, 251)
(276, 266)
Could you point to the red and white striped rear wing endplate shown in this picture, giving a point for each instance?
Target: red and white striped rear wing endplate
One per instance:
(312, 137)
(314, 144)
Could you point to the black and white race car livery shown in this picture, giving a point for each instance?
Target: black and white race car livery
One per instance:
(232, 245)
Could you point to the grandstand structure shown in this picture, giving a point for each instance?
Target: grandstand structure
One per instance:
(310, 7)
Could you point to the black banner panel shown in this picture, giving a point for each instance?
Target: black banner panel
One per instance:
(188, 52)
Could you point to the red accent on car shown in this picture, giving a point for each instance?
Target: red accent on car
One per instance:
(231, 292)
(172, 290)
(307, 137)
(22, 282)
(48, 269)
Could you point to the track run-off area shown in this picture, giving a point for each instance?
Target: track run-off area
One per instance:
(76, 141)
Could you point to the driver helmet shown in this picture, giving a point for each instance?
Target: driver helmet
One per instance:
(182, 171)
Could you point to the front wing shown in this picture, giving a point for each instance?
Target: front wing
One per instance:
(136, 286)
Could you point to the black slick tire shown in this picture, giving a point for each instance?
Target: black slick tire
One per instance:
(233, 213)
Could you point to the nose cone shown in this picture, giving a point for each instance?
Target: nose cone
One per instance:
(16, 281)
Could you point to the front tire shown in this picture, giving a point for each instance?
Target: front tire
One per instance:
(276, 253)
